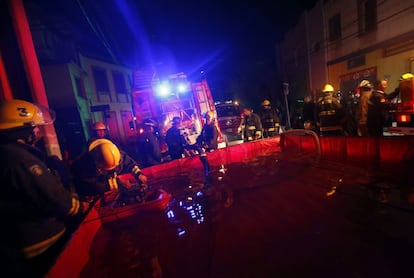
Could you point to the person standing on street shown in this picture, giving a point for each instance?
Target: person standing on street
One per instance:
(149, 150)
(209, 133)
(99, 130)
(330, 113)
(251, 125)
(378, 105)
(365, 92)
(175, 140)
(270, 120)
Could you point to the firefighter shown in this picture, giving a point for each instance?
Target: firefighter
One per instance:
(365, 91)
(270, 120)
(36, 207)
(175, 140)
(251, 125)
(209, 133)
(330, 113)
(206, 142)
(378, 105)
(149, 150)
(96, 170)
(99, 130)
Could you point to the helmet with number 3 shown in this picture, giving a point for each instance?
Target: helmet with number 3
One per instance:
(17, 113)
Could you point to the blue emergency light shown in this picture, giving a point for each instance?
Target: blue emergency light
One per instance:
(182, 87)
(163, 89)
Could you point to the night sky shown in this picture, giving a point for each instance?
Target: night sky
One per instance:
(223, 38)
(195, 34)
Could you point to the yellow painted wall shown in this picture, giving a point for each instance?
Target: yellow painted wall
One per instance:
(391, 67)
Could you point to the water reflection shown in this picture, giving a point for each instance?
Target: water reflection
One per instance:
(192, 208)
(195, 203)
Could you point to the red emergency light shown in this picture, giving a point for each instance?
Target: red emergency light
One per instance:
(404, 118)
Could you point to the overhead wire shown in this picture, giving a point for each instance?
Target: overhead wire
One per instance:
(98, 32)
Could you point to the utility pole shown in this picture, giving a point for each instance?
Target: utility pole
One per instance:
(286, 92)
(33, 73)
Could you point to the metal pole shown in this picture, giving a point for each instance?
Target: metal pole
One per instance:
(34, 76)
(286, 92)
(5, 89)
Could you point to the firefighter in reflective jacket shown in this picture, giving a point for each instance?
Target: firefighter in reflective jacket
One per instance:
(270, 120)
(35, 204)
(251, 125)
(330, 113)
(96, 170)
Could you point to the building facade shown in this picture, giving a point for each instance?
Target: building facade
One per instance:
(368, 39)
(87, 92)
(343, 42)
(84, 84)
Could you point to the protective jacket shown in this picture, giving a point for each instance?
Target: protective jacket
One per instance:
(149, 151)
(175, 142)
(251, 127)
(33, 202)
(330, 115)
(89, 181)
(208, 137)
(270, 122)
(378, 105)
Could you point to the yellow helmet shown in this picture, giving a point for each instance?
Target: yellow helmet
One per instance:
(328, 88)
(406, 76)
(19, 113)
(105, 153)
(99, 126)
(209, 114)
(365, 84)
(266, 102)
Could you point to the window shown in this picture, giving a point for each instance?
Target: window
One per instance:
(356, 62)
(119, 82)
(367, 16)
(335, 27)
(101, 80)
(80, 87)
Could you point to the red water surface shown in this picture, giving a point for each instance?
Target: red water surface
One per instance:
(261, 213)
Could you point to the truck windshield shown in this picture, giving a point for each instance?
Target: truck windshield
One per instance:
(227, 111)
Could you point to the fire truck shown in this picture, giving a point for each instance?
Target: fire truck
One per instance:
(401, 114)
(162, 99)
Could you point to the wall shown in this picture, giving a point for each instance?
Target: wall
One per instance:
(119, 104)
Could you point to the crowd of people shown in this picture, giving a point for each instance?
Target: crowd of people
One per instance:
(364, 112)
(264, 124)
